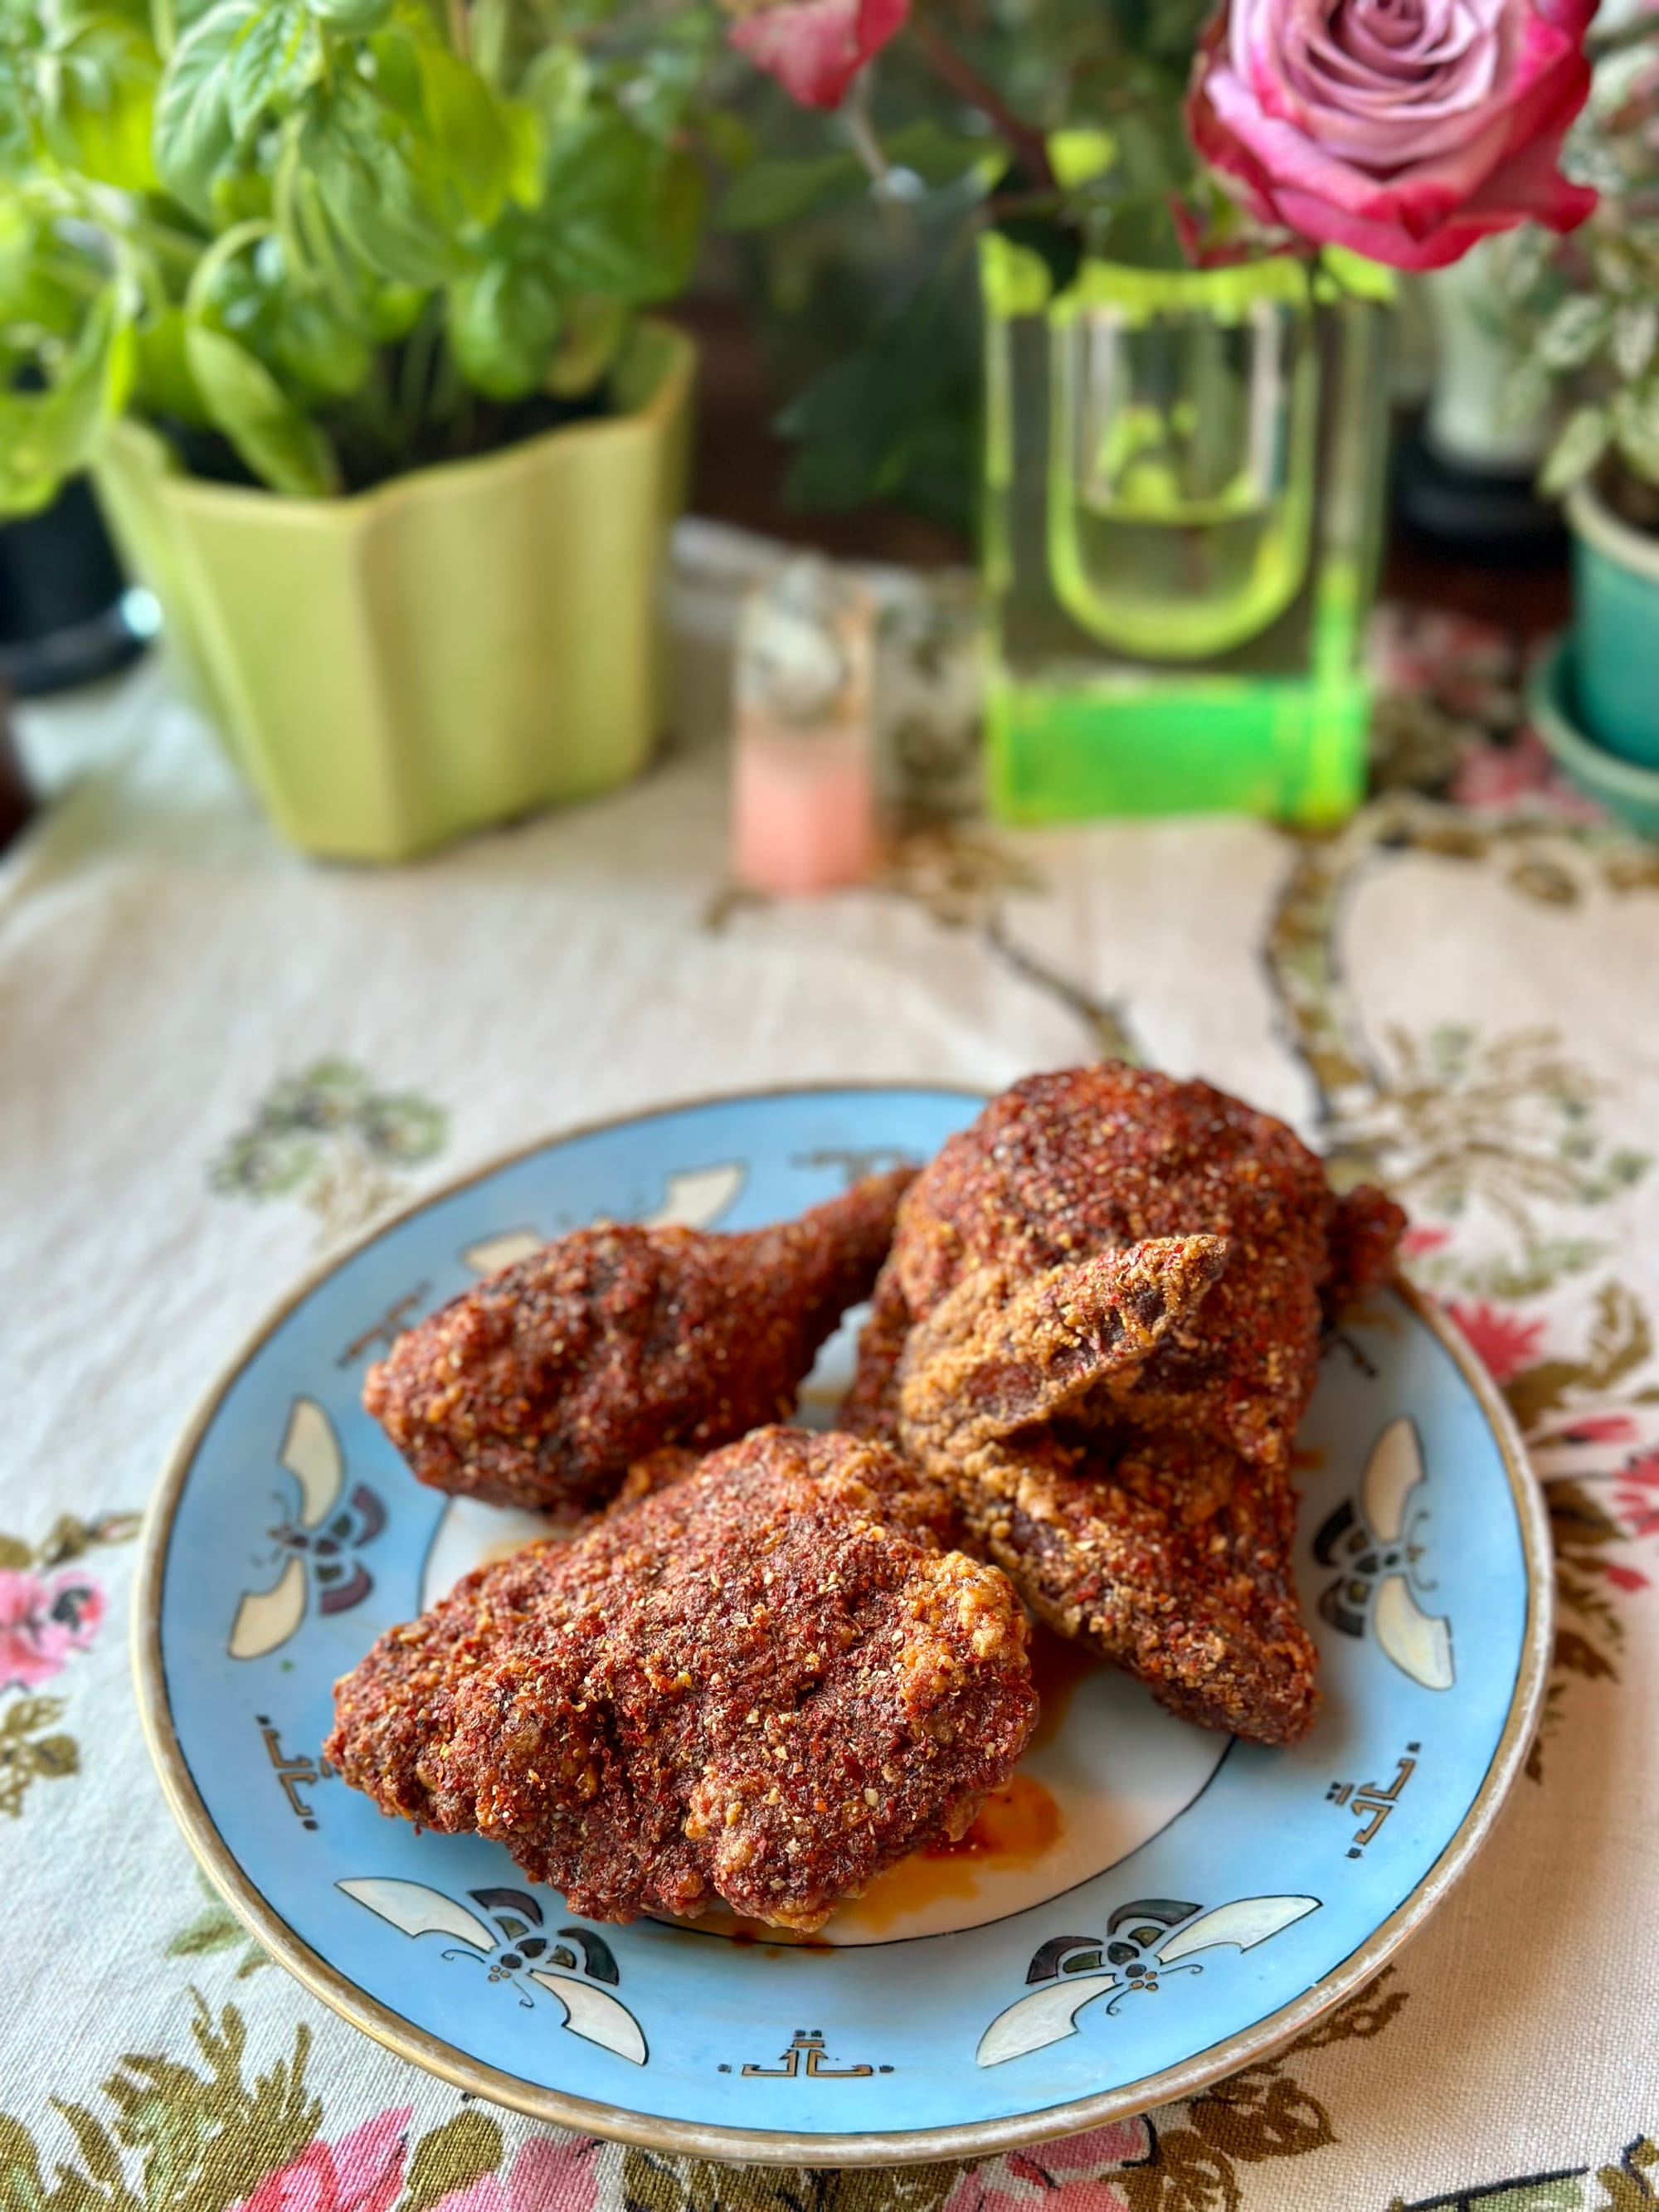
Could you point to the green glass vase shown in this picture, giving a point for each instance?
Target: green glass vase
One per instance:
(1184, 474)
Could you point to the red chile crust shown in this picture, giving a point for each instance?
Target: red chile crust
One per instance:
(540, 1387)
(1064, 1165)
(763, 1684)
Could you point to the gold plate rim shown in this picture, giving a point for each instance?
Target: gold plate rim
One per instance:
(967, 2140)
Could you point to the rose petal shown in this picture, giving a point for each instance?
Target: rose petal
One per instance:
(815, 48)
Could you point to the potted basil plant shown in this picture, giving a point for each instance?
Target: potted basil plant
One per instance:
(339, 302)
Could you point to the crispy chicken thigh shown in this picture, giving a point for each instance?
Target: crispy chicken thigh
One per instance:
(762, 1684)
(540, 1387)
(1067, 1165)
(1134, 1484)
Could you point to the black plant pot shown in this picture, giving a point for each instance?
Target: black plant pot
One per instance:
(65, 613)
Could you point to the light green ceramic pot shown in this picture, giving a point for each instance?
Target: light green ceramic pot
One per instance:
(455, 648)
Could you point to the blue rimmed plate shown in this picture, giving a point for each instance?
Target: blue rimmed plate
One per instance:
(1148, 1908)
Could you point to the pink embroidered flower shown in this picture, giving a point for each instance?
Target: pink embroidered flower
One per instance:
(361, 2172)
(551, 2174)
(1637, 1496)
(1502, 1342)
(1405, 130)
(815, 48)
(1072, 2175)
(42, 1622)
(1423, 1238)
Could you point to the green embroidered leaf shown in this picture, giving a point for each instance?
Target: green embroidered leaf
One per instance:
(20, 2188)
(23, 1716)
(56, 1756)
(98, 2151)
(14, 1554)
(450, 2157)
(215, 1929)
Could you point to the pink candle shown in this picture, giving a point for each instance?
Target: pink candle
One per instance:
(804, 812)
(804, 807)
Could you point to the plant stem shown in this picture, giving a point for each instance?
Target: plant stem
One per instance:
(458, 27)
(855, 114)
(956, 72)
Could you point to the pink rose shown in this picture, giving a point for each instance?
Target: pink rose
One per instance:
(41, 1623)
(815, 48)
(361, 2172)
(1403, 129)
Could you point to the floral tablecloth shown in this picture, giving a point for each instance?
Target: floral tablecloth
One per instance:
(216, 1060)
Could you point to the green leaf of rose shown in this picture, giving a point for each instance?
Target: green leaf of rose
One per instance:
(770, 194)
(246, 403)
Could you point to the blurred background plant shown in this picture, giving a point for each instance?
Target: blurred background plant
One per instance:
(1058, 121)
(1586, 306)
(320, 242)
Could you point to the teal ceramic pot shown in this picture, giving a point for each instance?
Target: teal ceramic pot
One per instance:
(1623, 786)
(1616, 648)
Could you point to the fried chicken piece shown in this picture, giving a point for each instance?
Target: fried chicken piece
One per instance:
(763, 1684)
(1173, 1561)
(1067, 1165)
(540, 1387)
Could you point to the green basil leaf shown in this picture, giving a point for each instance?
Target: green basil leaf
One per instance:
(46, 436)
(503, 323)
(769, 194)
(381, 186)
(245, 401)
(274, 58)
(162, 383)
(594, 336)
(354, 17)
(317, 348)
(98, 87)
(621, 216)
(472, 138)
(193, 130)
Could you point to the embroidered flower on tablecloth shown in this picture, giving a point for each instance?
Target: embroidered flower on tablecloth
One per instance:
(1072, 2175)
(550, 2174)
(363, 2172)
(41, 1622)
(1503, 1341)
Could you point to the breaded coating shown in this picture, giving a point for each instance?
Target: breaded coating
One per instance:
(540, 1387)
(762, 1685)
(1069, 1164)
(1147, 1508)
(1172, 1561)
